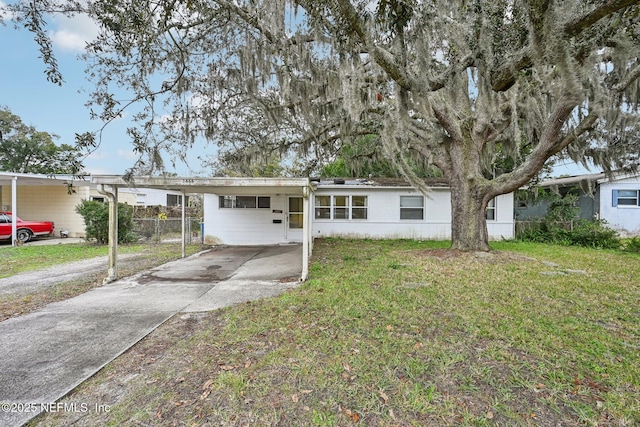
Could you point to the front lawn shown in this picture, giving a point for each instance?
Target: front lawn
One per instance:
(397, 333)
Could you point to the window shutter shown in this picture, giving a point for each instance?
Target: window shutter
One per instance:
(614, 198)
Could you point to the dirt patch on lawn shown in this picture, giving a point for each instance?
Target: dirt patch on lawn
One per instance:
(454, 254)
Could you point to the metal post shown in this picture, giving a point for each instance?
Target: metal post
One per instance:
(14, 210)
(305, 233)
(184, 249)
(112, 196)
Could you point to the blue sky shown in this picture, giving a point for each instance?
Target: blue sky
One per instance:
(60, 110)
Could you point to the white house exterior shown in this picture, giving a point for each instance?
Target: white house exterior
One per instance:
(376, 209)
(391, 209)
(620, 204)
(615, 199)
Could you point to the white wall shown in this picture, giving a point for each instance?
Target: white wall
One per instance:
(624, 219)
(255, 226)
(145, 196)
(244, 226)
(50, 203)
(383, 217)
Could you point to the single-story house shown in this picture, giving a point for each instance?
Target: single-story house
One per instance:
(615, 199)
(262, 211)
(358, 208)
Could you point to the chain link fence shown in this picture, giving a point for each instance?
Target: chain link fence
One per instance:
(169, 229)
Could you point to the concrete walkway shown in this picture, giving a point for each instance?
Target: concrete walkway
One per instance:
(46, 354)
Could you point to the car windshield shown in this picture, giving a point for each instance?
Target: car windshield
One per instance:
(6, 218)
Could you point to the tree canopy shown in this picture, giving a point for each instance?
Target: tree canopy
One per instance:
(24, 149)
(461, 85)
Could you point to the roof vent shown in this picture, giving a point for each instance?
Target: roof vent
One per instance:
(338, 181)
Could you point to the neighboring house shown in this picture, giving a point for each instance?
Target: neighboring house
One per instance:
(150, 197)
(47, 197)
(359, 208)
(615, 199)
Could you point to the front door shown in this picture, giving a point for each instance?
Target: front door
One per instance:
(295, 218)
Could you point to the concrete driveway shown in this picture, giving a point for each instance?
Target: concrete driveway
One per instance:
(46, 354)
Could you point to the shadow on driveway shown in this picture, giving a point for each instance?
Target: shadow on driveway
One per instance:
(46, 354)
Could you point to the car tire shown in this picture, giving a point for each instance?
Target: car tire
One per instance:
(23, 235)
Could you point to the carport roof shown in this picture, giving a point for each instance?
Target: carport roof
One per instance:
(28, 179)
(219, 185)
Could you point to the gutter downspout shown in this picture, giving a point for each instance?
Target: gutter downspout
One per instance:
(112, 196)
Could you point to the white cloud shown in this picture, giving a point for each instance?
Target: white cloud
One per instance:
(72, 34)
(4, 14)
(98, 155)
(127, 154)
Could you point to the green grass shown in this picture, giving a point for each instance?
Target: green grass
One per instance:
(27, 258)
(400, 333)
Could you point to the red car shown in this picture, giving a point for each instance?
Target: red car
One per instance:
(26, 230)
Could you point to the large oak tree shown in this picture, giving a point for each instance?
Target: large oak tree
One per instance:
(462, 85)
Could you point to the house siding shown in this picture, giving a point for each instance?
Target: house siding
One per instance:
(253, 226)
(624, 219)
(383, 216)
(250, 226)
(49, 203)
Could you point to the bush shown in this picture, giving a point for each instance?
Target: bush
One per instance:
(594, 234)
(632, 245)
(96, 220)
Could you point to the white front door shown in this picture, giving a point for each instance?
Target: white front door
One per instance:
(295, 218)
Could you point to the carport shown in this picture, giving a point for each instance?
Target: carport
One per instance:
(109, 184)
(15, 180)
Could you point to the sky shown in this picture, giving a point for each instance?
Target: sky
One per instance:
(61, 110)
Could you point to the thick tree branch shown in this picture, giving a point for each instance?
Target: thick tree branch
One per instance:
(506, 75)
(551, 142)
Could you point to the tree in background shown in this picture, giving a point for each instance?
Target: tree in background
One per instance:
(24, 149)
(458, 84)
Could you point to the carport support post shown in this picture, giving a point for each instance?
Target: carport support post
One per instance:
(14, 210)
(305, 233)
(112, 196)
(184, 249)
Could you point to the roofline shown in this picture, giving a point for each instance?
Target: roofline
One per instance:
(187, 182)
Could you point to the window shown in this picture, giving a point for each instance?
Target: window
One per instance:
(626, 198)
(264, 202)
(411, 207)
(98, 199)
(358, 207)
(244, 202)
(491, 210)
(5, 219)
(174, 200)
(323, 207)
(341, 207)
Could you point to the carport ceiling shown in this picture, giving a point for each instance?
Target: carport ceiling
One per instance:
(230, 186)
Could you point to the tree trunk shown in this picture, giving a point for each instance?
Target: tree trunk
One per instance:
(468, 218)
(469, 196)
